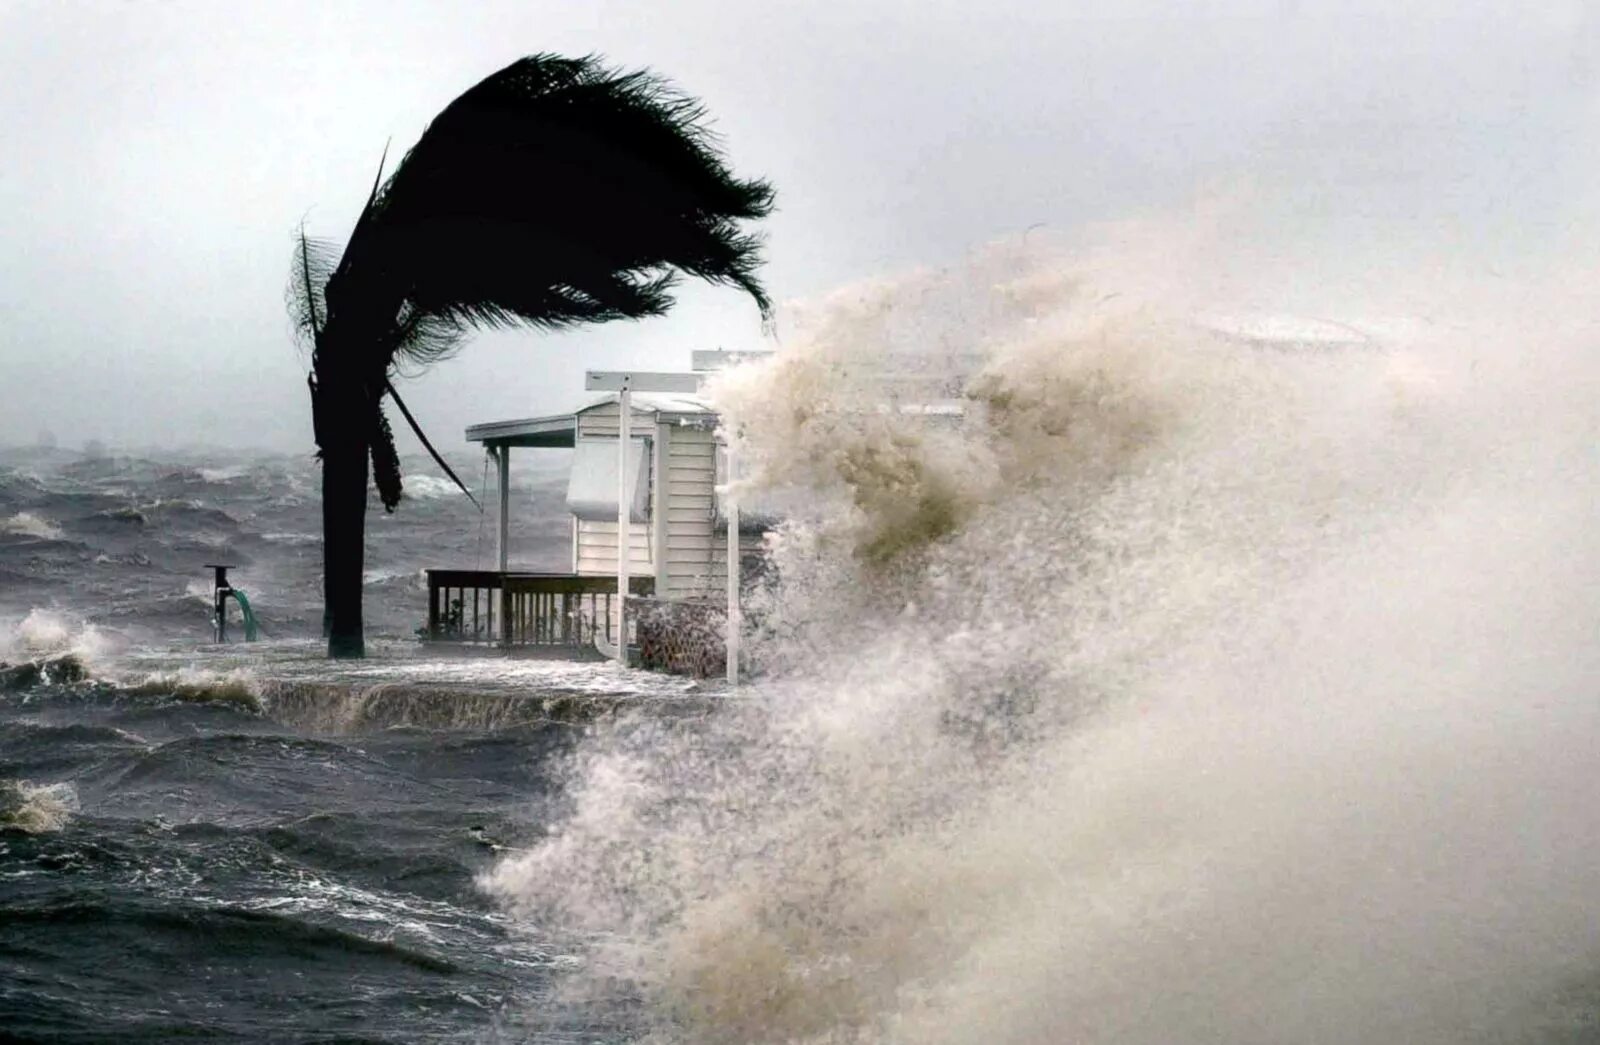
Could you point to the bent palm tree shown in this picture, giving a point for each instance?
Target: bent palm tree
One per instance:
(553, 193)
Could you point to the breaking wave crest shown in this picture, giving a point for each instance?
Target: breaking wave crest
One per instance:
(350, 705)
(1193, 685)
(237, 686)
(430, 487)
(27, 524)
(46, 633)
(342, 708)
(36, 808)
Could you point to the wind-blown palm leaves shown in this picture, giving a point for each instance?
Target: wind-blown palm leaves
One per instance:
(555, 192)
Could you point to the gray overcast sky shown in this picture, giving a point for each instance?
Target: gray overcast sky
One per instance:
(156, 157)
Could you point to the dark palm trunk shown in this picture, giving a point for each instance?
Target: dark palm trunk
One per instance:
(342, 409)
(344, 518)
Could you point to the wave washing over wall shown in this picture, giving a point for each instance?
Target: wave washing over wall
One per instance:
(1194, 686)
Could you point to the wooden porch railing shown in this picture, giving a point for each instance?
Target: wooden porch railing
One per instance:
(523, 609)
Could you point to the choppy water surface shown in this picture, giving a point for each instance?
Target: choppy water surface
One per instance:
(244, 842)
(193, 869)
(264, 849)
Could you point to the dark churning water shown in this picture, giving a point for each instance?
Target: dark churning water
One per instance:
(243, 844)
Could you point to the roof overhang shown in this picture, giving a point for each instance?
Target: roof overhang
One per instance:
(550, 432)
(1289, 333)
(667, 406)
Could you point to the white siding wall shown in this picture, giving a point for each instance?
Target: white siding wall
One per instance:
(693, 560)
(691, 550)
(595, 543)
(696, 554)
(597, 549)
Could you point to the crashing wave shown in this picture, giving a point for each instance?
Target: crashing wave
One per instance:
(430, 487)
(36, 808)
(1180, 691)
(48, 633)
(237, 686)
(26, 524)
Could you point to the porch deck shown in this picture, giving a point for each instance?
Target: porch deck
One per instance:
(517, 609)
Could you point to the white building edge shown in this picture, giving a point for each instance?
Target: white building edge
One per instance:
(676, 537)
(676, 533)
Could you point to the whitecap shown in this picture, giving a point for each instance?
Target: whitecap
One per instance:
(27, 524)
(238, 686)
(49, 632)
(429, 487)
(36, 808)
(292, 538)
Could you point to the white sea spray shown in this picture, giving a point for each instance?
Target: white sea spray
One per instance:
(1190, 688)
(43, 633)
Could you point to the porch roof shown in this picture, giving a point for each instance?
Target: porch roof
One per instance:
(555, 431)
(560, 430)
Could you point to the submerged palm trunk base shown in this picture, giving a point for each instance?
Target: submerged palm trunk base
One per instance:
(344, 515)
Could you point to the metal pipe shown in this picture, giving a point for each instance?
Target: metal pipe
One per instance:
(219, 600)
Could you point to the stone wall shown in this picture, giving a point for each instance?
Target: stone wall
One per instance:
(680, 637)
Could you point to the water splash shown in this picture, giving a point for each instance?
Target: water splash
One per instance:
(36, 808)
(1191, 687)
(43, 633)
(27, 524)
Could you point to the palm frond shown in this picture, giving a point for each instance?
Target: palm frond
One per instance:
(556, 192)
(385, 462)
(423, 339)
(314, 261)
(428, 446)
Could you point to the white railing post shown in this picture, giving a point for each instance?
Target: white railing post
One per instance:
(730, 641)
(503, 476)
(624, 517)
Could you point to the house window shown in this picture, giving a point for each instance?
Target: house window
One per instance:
(592, 488)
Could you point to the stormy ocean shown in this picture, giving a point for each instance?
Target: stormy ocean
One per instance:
(1199, 678)
(206, 842)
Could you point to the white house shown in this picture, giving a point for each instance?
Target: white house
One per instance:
(676, 537)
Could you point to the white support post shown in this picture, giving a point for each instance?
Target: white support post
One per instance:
(659, 497)
(735, 618)
(624, 517)
(503, 477)
(502, 458)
